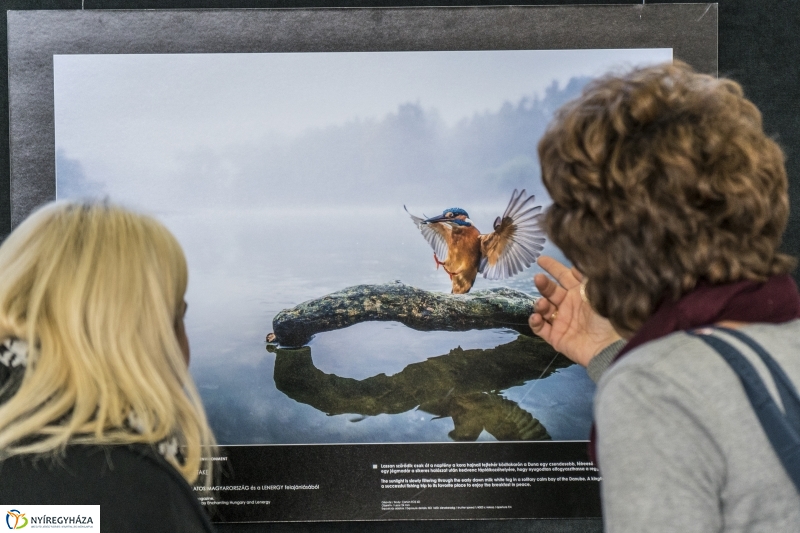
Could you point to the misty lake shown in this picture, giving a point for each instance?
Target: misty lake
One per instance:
(262, 165)
(372, 382)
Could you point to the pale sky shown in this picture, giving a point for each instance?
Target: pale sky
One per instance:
(196, 98)
(144, 126)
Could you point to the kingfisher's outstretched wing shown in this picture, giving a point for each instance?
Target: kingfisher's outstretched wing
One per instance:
(517, 239)
(437, 235)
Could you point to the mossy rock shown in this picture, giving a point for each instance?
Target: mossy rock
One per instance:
(416, 308)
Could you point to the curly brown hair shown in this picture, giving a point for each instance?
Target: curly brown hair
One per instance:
(660, 179)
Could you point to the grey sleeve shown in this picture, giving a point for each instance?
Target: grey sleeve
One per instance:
(600, 362)
(660, 468)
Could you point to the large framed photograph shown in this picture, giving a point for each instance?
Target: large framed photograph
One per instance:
(286, 150)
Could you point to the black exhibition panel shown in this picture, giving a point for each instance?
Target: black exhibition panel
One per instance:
(757, 48)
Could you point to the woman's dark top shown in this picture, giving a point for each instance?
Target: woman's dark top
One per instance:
(136, 488)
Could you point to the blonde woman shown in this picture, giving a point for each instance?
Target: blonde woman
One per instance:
(96, 402)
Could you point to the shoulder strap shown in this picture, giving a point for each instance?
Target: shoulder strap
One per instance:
(783, 430)
(786, 389)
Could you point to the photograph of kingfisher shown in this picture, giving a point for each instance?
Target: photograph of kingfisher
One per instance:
(463, 252)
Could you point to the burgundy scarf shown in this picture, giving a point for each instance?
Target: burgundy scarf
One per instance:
(773, 301)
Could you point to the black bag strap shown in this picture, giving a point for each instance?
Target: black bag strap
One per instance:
(782, 429)
(786, 389)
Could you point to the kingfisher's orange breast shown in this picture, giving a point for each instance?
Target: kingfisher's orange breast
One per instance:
(464, 249)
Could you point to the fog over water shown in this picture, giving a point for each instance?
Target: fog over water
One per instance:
(284, 177)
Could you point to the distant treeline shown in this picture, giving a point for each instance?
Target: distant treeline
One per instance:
(410, 155)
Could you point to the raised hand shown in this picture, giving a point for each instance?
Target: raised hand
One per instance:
(564, 318)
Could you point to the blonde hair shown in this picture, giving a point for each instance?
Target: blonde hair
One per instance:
(96, 292)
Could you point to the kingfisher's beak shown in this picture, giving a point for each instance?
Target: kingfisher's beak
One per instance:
(432, 220)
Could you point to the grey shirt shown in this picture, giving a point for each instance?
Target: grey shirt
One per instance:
(679, 446)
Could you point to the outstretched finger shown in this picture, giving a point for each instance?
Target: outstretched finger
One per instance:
(544, 307)
(549, 289)
(563, 275)
(540, 327)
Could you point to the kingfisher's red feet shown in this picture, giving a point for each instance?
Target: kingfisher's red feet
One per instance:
(440, 263)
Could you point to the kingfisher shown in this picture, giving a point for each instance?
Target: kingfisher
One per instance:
(463, 252)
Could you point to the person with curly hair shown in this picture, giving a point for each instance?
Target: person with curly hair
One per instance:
(670, 201)
(96, 402)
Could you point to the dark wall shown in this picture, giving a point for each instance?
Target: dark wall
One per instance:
(757, 47)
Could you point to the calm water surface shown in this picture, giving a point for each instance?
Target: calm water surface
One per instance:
(401, 385)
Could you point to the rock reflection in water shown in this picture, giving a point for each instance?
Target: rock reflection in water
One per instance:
(464, 385)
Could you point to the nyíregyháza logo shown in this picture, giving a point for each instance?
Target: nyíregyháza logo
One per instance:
(18, 518)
